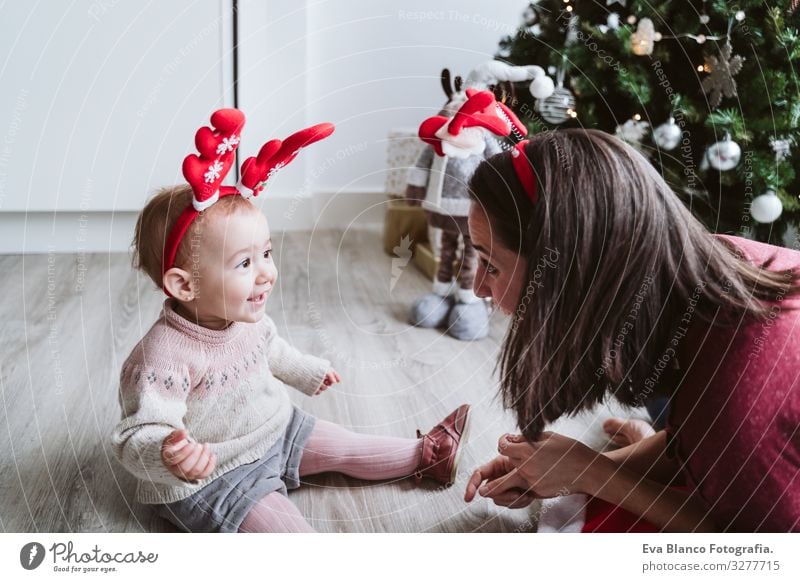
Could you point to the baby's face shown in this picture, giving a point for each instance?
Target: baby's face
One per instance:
(233, 270)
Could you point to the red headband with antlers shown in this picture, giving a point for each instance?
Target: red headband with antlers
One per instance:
(217, 148)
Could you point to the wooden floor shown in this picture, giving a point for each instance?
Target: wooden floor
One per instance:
(70, 320)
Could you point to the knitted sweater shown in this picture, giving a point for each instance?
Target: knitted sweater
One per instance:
(221, 386)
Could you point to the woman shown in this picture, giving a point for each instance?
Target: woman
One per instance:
(615, 288)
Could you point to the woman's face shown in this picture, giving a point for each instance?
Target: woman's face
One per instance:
(501, 271)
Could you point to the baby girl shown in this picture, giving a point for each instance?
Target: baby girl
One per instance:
(207, 426)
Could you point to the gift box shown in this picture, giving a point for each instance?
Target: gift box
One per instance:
(403, 220)
(402, 150)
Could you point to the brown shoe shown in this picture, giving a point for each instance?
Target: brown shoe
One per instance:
(442, 447)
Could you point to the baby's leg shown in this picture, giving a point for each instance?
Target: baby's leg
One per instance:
(333, 448)
(274, 513)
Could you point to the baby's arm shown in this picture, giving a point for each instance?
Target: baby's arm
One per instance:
(153, 406)
(304, 372)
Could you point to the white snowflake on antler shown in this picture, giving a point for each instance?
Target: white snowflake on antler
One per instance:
(213, 172)
(274, 170)
(227, 144)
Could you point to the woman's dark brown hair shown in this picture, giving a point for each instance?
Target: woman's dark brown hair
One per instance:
(634, 268)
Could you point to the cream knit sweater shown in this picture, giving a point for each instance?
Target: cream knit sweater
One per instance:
(221, 386)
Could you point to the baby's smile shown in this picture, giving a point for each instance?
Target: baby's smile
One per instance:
(260, 299)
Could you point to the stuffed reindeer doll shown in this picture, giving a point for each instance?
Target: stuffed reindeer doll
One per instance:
(458, 139)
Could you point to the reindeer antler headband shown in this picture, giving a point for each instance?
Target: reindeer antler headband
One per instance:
(217, 148)
(460, 137)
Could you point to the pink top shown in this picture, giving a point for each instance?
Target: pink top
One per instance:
(734, 420)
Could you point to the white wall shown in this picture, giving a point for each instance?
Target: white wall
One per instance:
(365, 65)
(99, 105)
(100, 101)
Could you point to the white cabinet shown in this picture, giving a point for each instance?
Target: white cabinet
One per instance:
(100, 100)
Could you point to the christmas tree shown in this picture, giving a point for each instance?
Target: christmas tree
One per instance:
(706, 89)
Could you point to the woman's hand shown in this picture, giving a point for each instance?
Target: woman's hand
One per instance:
(499, 481)
(331, 378)
(552, 466)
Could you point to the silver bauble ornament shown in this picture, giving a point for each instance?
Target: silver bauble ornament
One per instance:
(667, 136)
(556, 108)
(766, 208)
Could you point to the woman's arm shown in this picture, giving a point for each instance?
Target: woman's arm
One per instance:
(648, 457)
(672, 510)
(555, 464)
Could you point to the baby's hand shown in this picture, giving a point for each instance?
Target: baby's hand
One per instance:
(186, 458)
(331, 378)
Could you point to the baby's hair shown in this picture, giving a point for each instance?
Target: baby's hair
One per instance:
(159, 216)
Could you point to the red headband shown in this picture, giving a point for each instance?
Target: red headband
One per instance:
(217, 148)
(524, 170)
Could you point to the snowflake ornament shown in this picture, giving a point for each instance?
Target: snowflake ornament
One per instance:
(720, 82)
(781, 147)
(213, 172)
(228, 144)
(632, 131)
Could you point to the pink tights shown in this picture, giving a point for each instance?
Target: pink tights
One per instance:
(333, 448)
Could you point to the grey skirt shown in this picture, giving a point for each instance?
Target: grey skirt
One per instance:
(222, 505)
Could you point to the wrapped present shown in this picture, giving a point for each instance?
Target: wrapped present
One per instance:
(403, 148)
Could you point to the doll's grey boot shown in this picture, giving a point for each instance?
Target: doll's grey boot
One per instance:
(431, 309)
(469, 318)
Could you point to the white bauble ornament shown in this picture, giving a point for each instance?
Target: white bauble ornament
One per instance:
(723, 155)
(557, 107)
(766, 208)
(667, 136)
(542, 87)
